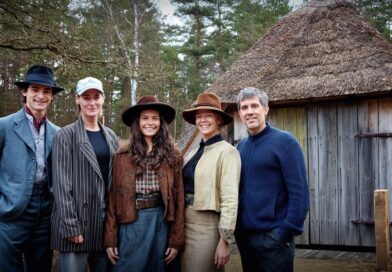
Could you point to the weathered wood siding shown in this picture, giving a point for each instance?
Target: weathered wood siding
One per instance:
(368, 166)
(348, 178)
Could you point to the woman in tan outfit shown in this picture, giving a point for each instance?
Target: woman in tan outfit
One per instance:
(211, 176)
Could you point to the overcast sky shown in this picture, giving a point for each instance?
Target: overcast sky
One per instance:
(168, 9)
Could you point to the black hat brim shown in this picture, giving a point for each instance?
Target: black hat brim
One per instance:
(25, 85)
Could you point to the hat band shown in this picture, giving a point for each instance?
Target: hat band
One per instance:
(40, 79)
(206, 104)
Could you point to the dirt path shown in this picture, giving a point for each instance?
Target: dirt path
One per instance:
(320, 261)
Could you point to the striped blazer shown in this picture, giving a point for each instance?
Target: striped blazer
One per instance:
(78, 189)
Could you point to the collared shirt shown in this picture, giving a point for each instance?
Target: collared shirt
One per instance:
(39, 142)
(148, 182)
(188, 171)
(37, 123)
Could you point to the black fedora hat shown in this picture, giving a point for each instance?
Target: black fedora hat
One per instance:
(148, 102)
(39, 74)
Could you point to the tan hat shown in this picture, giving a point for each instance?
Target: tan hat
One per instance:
(148, 102)
(207, 101)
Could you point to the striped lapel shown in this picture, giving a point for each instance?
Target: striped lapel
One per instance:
(85, 146)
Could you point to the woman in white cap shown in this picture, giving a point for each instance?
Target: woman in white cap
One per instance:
(145, 221)
(82, 178)
(211, 176)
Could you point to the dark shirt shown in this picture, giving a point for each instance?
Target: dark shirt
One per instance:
(188, 172)
(102, 152)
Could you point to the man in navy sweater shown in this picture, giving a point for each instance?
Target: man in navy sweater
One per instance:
(274, 195)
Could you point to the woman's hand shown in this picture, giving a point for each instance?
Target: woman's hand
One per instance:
(78, 239)
(170, 254)
(222, 254)
(112, 253)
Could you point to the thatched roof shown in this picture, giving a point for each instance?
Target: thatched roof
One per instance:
(187, 134)
(324, 50)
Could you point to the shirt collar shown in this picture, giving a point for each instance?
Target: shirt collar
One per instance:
(37, 123)
(265, 131)
(212, 140)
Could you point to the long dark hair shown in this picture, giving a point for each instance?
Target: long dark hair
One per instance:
(163, 149)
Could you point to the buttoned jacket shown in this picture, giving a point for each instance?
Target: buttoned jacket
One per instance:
(79, 189)
(122, 199)
(18, 162)
(217, 176)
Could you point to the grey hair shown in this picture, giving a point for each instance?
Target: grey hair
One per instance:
(251, 92)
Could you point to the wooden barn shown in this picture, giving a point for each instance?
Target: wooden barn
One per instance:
(328, 74)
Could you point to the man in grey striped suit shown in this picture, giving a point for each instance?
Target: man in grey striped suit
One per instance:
(25, 146)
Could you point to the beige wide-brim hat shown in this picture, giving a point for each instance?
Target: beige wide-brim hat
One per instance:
(167, 112)
(207, 101)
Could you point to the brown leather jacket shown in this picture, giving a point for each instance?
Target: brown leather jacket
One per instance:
(122, 204)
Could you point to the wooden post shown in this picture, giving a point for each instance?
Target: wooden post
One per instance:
(381, 214)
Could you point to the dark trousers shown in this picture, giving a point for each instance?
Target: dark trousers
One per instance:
(25, 241)
(265, 252)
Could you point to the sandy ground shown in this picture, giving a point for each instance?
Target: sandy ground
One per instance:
(321, 261)
(314, 261)
(316, 265)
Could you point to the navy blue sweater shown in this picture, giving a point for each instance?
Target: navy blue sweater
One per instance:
(273, 188)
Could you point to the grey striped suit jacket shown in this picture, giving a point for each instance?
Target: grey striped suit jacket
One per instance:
(78, 189)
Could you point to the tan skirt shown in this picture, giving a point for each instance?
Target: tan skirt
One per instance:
(201, 240)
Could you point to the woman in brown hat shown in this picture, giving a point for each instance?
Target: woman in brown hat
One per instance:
(211, 176)
(145, 218)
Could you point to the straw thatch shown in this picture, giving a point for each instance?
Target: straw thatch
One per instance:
(186, 137)
(322, 51)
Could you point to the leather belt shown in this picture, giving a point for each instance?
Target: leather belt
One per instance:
(148, 201)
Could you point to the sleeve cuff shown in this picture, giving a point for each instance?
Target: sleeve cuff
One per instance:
(227, 235)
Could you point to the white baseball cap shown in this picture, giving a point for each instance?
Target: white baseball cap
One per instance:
(87, 84)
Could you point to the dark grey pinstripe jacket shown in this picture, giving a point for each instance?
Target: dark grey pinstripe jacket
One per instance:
(78, 189)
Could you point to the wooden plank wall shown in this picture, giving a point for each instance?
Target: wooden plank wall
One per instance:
(385, 145)
(348, 180)
(240, 131)
(344, 170)
(313, 173)
(367, 167)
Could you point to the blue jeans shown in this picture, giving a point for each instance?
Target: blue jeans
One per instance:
(265, 252)
(142, 244)
(79, 261)
(28, 235)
